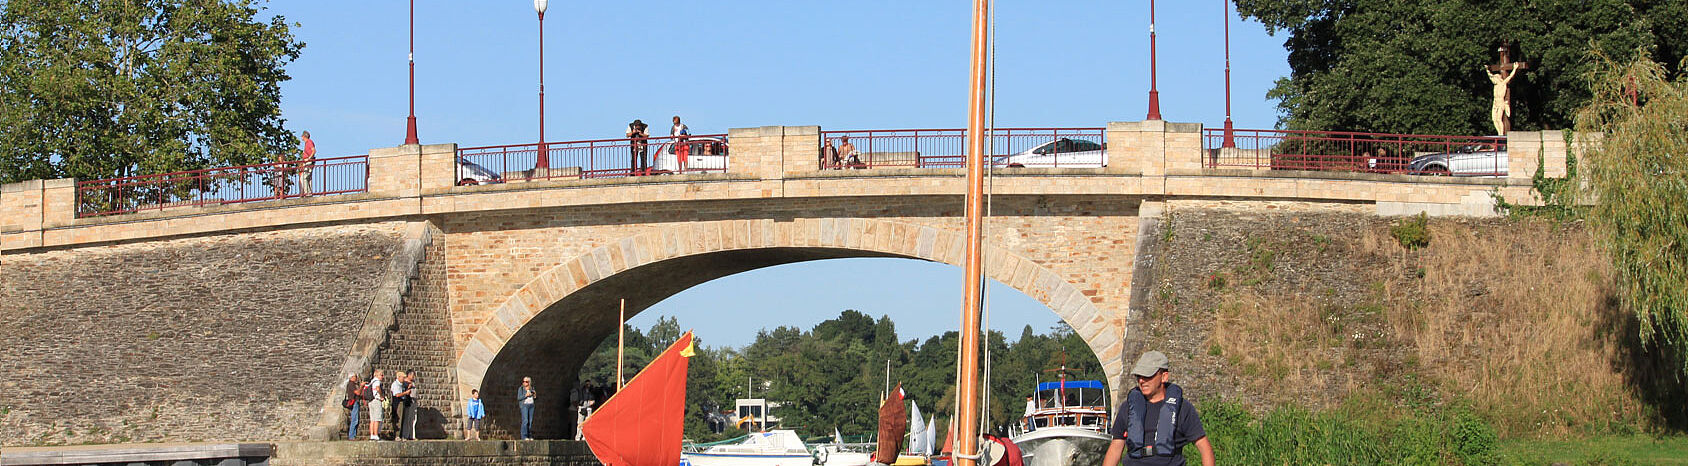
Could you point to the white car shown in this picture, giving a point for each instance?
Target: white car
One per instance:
(1463, 163)
(1063, 153)
(702, 154)
(470, 174)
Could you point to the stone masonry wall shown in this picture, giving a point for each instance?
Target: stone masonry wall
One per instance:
(231, 337)
(420, 341)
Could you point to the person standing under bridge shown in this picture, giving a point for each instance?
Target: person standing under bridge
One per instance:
(524, 398)
(377, 405)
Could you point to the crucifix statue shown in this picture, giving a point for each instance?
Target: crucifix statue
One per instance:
(1501, 75)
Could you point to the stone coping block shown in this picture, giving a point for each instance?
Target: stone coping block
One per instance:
(1342, 176)
(589, 183)
(952, 172)
(21, 186)
(188, 211)
(134, 453)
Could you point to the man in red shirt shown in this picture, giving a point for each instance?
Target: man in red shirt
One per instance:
(307, 156)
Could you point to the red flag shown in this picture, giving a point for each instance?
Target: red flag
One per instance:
(643, 423)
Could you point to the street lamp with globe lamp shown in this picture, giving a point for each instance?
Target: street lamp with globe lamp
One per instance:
(544, 161)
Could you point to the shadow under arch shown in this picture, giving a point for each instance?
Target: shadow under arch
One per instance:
(546, 329)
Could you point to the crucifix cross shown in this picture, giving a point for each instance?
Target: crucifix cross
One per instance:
(1506, 60)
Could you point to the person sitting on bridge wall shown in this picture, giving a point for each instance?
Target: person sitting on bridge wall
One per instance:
(847, 153)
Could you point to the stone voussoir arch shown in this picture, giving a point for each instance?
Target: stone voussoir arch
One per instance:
(875, 237)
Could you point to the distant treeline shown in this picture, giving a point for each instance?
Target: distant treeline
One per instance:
(832, 376)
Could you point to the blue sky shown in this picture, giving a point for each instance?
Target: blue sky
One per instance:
(720, 65)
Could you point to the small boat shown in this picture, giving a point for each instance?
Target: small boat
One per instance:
(1067, 425)
(773, 448)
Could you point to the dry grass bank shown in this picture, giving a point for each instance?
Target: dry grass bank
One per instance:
(1513, 316)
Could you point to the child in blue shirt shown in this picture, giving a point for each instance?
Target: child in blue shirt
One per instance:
(474, 411)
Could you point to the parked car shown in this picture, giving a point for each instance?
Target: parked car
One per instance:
(470, 174)
(699, 154)
(1063, 152)
(1471, 162)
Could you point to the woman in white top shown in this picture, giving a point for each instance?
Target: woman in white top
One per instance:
(377, 405)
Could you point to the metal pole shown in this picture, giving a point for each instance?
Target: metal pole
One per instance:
(1229, 141)
(410, 121)
(544, 160)
(1154, 88)
(967, 392)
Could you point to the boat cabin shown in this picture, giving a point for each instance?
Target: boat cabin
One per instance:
(1070, 403)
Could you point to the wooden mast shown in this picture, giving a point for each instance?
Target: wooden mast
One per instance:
(967, 392)
(620, 342)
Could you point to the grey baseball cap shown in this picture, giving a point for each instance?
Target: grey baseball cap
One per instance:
(1150, 363)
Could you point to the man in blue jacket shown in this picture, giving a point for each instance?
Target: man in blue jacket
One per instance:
(1155, 422)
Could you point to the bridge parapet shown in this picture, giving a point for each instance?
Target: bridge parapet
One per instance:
(1151, 159)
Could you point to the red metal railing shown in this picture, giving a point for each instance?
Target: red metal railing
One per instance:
(224, 185)
(946, 148)
(1413, 154)
(600, 158)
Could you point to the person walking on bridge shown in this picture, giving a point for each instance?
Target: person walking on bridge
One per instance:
(307, 157)
(1156, 422)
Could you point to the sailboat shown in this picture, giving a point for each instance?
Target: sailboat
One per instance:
(643, 423)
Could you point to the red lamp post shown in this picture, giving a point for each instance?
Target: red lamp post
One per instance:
(410, 121)
(1229, 140)
(544, 160)
(1154, 91)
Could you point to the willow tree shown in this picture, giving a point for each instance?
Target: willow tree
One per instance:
(1638, 176)
(109, 88)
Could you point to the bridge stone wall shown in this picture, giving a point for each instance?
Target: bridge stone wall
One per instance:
(232, 337)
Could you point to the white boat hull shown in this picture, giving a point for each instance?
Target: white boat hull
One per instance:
(1062, 446)
(746, 459)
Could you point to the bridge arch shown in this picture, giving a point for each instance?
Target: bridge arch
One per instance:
(548, 326)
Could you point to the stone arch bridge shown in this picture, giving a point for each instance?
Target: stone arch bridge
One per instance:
(522, 279)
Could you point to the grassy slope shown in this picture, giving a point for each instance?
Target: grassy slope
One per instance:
(1514, 318)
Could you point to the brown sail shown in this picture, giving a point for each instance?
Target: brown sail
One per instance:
(893, 423)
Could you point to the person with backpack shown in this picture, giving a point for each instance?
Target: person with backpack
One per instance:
(377, 405)
(1156, 422)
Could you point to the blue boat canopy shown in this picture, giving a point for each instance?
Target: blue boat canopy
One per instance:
(1096, 384)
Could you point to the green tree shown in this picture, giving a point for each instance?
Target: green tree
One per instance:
(1413, 66)
(1638, 174)
(98, 89)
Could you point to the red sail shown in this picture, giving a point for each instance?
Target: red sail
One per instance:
(643, 424)
(893, 423)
